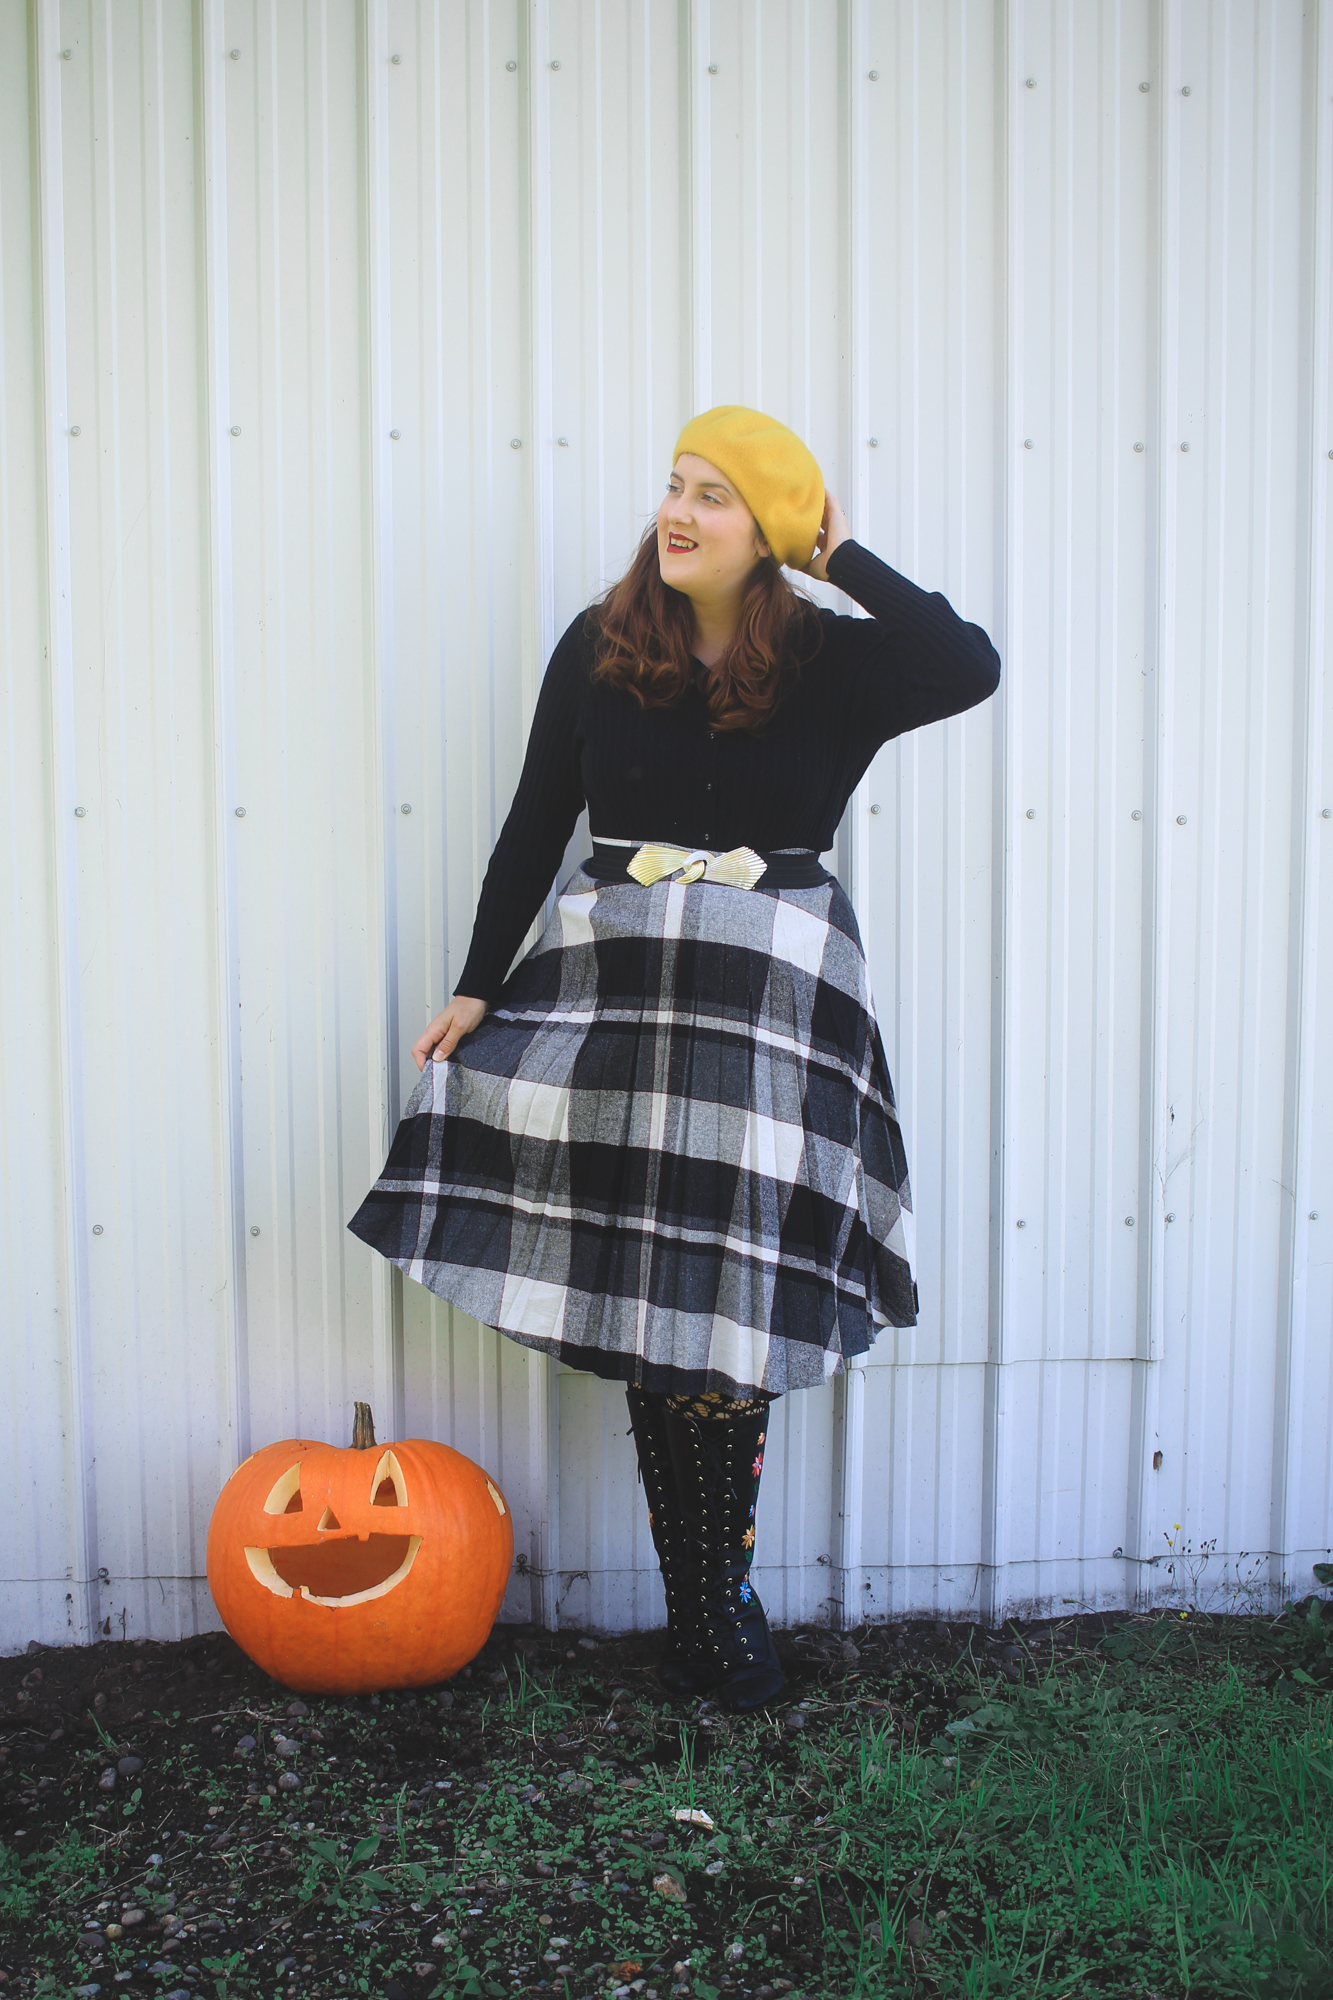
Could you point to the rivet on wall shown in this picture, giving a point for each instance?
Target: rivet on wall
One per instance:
(404, 809)
(97, 1229)
(1314, 1215)
(1020, 1224)
(80, 812)
(564, 441)
(1136, 814)
(1145, 86)
(1129, 1222)
(1184, 90)
(395, 59)
(555, 65)
(236, 430)
(516, 444)
(1027, 444)
(876, 809)
(712, 69)
(511, 64)
(254, 1229)
(1030, 82)
(1185, 444)
(395, 435)
(235, 54)
(1030, 813)
(75, 430)
(1171, 1215)
(1138, 447)
(240, 812)
(1327, 813)
(67, 55)
(873, 443)
(1180, 819)
(874, 76)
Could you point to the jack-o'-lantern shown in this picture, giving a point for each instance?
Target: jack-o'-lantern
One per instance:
(345, 1570)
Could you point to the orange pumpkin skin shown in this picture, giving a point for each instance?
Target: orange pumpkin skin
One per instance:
(343, 1571)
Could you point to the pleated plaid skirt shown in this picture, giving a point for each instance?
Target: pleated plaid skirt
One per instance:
(670, 1152)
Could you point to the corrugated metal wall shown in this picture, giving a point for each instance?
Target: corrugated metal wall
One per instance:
(343, 350)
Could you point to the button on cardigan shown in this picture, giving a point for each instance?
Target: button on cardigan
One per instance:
(664, 774)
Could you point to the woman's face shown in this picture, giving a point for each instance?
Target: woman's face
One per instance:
(708, 541)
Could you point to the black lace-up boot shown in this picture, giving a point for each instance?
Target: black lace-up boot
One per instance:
(683, 1667)
(717, 1462)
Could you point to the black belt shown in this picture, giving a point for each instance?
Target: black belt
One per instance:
(802, 870)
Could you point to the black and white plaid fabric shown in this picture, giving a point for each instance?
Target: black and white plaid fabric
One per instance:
(669, 1154)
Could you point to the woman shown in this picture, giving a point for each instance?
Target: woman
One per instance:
(664, 1147)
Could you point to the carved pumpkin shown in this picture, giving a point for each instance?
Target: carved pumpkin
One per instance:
(341, 1571)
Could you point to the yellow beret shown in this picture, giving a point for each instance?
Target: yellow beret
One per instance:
(774, 473)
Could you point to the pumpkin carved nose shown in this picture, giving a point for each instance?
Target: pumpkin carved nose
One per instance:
(328, 1519)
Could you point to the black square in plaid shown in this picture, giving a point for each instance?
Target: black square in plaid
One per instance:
(669, 1153)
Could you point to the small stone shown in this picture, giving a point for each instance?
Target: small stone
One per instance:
(588, 1645)
(162, 1970)
(715, 1868)
(245, 1744)
(155, 1861)
(850, 1653)
(131, 1917)
(289, 1782)
(295, 1708)
(87, 1992)
(121, 1977)
(795, 1720)
(113, 1931)
(423, 1968)
(99, 1702)
(286, 1746)
(668, 1886)
(107, 1781)
(917, 1932)
(129, 1765)
(177, 1993)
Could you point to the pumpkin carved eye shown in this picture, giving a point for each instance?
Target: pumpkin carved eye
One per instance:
(286, 1495)
(388, 1485)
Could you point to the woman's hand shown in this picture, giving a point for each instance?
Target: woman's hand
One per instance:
(447, 1030)
(832, 530)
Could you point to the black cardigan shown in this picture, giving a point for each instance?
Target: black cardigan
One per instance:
(663, 774)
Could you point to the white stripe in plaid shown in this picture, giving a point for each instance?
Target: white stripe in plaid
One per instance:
(669, 1153)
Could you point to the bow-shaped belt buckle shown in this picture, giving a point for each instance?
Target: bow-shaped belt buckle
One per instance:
(739, 867)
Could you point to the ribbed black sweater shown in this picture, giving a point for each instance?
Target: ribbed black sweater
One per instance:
(665, 774)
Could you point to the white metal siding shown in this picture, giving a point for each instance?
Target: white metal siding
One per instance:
(968, 256)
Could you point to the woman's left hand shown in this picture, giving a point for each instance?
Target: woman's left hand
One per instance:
(832, 530)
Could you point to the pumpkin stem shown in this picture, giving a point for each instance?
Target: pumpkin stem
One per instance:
(363, 1427)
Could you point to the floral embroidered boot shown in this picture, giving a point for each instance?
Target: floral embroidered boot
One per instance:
(683, 1667)
(717, 1461)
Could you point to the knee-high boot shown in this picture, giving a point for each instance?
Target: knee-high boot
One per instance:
(683, 1668)
(717, 1464)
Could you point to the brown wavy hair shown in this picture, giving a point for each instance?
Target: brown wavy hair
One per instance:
(644, 630)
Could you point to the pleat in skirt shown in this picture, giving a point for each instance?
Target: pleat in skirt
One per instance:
(670, 1153)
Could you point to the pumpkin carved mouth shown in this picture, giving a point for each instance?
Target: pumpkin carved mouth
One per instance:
(337, 1574)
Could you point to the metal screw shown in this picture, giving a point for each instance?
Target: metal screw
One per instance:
(1184, 90)
(236, 430)
(392, 59)
(97, 1229)
(712, 69)
(66, 55)
(515, 444)
(405, 809)
(876, 809)
(563, 441)
(1145, 86)
(80, 812)
(1136, 814)
(1030, 813)
(1327, 813)
(395, 435)
(1138, 447)
(1172, 1216)
(240, 812)
(1185, 444)
(511, 65)
(874, 76)
(874, 444)
(1020, 1225)
(1180, 819)
(1129, 1222)
(254, 1229)
(1030, 82)
(235, 54)
(75, 431)
(555, 65)
(1314, 1215)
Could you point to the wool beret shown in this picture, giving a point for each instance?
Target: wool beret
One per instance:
(775, 474)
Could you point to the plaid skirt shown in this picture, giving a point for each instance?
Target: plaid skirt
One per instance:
(670, 1153)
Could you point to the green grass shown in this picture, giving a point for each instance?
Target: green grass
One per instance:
(1140, 1808)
